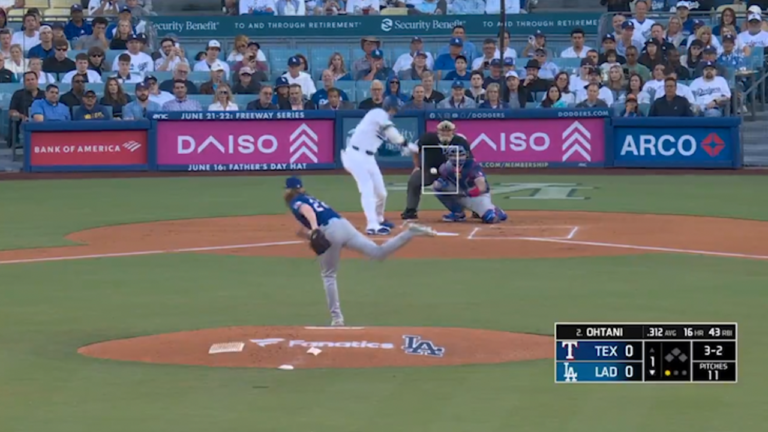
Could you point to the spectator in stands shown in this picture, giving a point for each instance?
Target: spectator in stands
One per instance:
(730, 57)
(264, 102)
(96, 60)
(641, 22)
(653, 55)
(496, 75)
(727, 20)
(392, 88)
(22, 99)
(673, 60)
(169, 55)
(98, 38)
(631, 107)
(628, 39)
(616, 5)
(616, 22)
(655, 86)
(582, 79)
(290, 8)
(252, 61)
(103, 7)
(536, 41)
(320, 97)
(281, 91)
(610, 61)
(246, 84)
(577, 49)
(709, 55)
(338, 68)
(593, 56)
(5, 43)
(447, 62)
(563, 82)
(754, 36)
(124, 74)
(30, 36)
(635, 85)
(59, 63)
(674, 32)
(74, 96)
(57, 29)
(49, 108)
(615, 82)
(212, 51)
(430, 94)
(683, 9)
(368, 45)
(154, 93)
(483, 62)
(115, 97)
(217, 78)
(123, 33)
(90, 110)
(223, 100)
(632, 66)
(533, 83)
(125, 15)
(460, 71)
(508, 65)
(335, 102)
(6, 76)
(417, 67)
(553, 98)
(378, 70)
(657, 34)
(694, 54)
(304, 66)
(418, 100)
(4, 18)
(592, 98)
(493, 99)
(377, 97)
(296, 100)
(16, 63)
(603, 93)
(458, 100)
(45, 48)
(296, 76)
(476, 92)
(406, 61)
(609, 44)
(468, 48)
(239, 49)
(141, 62)
(77, 26)
(81, 69)
(548, 69)
(36, 65)
(138, 10)
(670, 105)
(739, 47)
(711, 91)
(704, 34)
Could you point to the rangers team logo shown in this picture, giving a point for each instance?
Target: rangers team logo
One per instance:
(415, 345)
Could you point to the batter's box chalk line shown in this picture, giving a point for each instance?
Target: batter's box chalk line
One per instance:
(569, 231)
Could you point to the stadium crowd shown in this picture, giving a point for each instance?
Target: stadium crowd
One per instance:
(101, 67)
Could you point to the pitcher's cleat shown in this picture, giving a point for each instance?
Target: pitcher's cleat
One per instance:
(337, 322)
(422, 230)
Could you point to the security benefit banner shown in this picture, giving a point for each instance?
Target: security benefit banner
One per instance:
(676, 143)
(244, 141)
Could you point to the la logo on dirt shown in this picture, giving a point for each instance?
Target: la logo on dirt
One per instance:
(528, 191)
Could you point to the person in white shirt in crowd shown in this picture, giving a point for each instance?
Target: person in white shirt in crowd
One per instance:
(535, 41)
(81, 65)
(493, 7)
(548, 69)
(754, 36)
(36, 65)
(296, 76)
(363, 7)
(605, 94)
(617, 21)
(124, 74)
(5, 43)
(405, 60)
(141, 62)
(223, 100)
(578, 82)
(212, 52)
(170, 55)
(563, 82)
(629, 39)
(704, 34)
(711, 91)
(264, 7)
(239, 49)
(641, 22)
(17, 63)
(656, 85)
(30, 36)
(291, 7)
(155, 94)
(489, 52)
(682, 91)
(577, 49)
(508, 50)
(103, 7)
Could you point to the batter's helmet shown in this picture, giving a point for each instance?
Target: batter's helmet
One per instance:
(391, 103)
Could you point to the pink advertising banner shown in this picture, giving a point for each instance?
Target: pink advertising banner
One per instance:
(246, 145)
(534, 142)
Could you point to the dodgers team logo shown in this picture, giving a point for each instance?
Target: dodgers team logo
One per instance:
(415, 345)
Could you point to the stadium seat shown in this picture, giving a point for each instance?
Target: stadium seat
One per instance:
(569, 65)
(362, 89)
(407, 86)
(278, 57)
(97, 87)
(199, 76)
(644, 108)
(347, 87)
(162, 75)
(242, 100)
(191, 50)
(204, 100)
(63, 88)
(108, 108)
(394, 11)
(71, 54)
(617, 108)
(444, 87)
(393, 52)
(111, 55)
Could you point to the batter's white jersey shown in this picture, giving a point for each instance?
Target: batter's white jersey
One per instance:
(369, 133)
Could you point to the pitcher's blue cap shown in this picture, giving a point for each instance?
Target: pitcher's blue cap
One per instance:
(293, 183)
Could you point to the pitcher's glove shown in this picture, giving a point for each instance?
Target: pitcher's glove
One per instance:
(319, 242)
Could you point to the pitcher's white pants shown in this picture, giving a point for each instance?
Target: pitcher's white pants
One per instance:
(370, 183)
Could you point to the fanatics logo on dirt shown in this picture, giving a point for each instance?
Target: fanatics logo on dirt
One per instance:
(84, 148)
(321, 344)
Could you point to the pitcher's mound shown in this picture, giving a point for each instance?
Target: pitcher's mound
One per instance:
(340, 347)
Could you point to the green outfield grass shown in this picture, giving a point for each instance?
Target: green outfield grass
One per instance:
(48, 310)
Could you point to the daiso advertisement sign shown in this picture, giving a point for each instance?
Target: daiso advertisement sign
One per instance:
(245, 145)
(511, 143)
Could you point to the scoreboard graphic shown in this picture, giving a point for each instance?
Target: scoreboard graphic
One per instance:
(650, 353)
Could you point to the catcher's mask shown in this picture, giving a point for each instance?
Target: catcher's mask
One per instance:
(445, 131)
(457, 155)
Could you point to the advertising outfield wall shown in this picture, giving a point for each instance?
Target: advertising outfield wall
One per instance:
(312, 140)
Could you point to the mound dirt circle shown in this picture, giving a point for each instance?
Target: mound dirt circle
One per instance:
(339, 347)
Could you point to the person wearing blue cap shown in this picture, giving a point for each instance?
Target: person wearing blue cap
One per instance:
(295, 75)
(458, 99)
(628, 39)
(77, 25)
(138, 108)
(447, 62)
(124, 14)
(460, 73)
(711, 91)
(377, 70)
(319, 220)
(468, 50)
(280, 98)
(496, 75)
(89, 109)
(731, 57)
(405, 60)
(609, 44)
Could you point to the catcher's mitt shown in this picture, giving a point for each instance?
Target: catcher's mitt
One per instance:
(319, 242)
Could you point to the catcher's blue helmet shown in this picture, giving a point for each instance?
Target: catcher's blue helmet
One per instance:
(391, 103)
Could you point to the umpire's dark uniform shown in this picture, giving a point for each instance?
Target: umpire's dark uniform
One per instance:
(433, 158)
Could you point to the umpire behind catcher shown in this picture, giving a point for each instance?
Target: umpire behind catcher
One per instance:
(434, 156)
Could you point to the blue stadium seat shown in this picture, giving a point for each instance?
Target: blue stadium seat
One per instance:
(617, 108)
(407, 86)
(111, 55)
(278, 57)
(362, 90)
(63, 88)
(162, 75)
(347, 87)
(570, 65)
(242, 100)
(73, 53)
(644, 108)
(191, 50)
(204, 100)
(97, 87)
(393, 52)
(199, 76)
(444, 87)
(6, 92)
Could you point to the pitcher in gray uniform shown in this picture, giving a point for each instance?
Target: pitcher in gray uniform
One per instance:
(314, 214)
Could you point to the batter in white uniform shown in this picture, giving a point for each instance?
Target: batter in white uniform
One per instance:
(359, 159)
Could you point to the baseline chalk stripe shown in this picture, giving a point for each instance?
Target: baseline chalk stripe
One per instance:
(447, 234)
(334, 328)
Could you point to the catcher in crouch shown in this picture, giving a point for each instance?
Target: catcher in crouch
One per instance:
(463, 185)
(328, 233)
